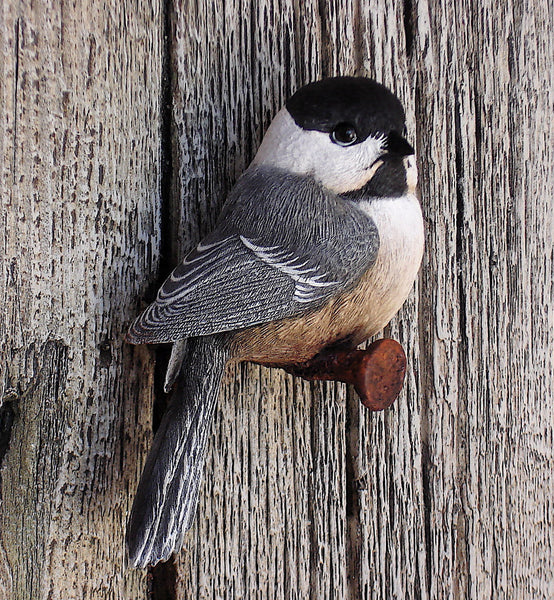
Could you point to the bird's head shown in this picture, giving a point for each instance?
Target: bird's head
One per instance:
(345, 132)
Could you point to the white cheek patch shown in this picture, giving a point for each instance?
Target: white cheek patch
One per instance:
(344, 168)
(339, 168)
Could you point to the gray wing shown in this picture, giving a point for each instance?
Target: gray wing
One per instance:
(282, 246)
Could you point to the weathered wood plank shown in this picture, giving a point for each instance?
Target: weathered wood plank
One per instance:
(280, 527)
(487, 377)
(80, 225)
(264, 516)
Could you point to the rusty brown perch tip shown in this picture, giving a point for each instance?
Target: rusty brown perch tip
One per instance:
(376, 373)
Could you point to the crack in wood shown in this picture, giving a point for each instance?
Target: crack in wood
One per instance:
(427, 509)
(324, 34)
(15, 98)
(313, 542)
(408, 22)
(358, 39)
(163, 576)
(7, 419)
(162, 580)
(461, 558)
(353, 526)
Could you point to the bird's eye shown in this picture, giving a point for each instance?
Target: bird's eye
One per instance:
(344, 134)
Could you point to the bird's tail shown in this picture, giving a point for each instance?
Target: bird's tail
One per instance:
(167, 495)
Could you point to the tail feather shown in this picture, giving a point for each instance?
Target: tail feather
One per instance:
(167, 495)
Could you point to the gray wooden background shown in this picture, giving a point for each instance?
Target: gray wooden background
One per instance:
(123, 126)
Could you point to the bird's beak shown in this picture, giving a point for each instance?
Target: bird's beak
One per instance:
(398, 145)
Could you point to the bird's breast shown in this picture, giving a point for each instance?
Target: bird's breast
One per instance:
(385, 287)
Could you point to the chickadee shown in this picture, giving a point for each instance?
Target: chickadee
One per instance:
(317, 247)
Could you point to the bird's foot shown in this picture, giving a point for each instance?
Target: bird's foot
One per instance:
(376, 373)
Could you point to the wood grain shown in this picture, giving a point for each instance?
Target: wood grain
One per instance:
(123, 128)
(80, 178)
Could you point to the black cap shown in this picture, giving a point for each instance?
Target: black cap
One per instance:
(367, 105)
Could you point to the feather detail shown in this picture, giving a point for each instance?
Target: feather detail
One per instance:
(167, 495)
(308, 281)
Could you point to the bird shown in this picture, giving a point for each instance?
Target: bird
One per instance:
(316, 248)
